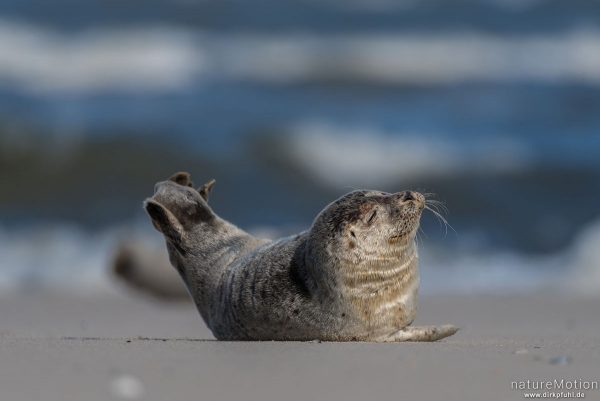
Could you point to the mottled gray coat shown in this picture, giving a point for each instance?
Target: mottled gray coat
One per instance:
(352, 276)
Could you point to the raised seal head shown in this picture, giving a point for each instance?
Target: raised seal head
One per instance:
(367, 239)
(367, 224)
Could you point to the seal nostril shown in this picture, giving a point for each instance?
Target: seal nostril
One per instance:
(408, 196)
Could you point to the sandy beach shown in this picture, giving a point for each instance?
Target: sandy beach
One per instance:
(63, 348)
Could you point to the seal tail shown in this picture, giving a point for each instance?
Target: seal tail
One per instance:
(148, 271)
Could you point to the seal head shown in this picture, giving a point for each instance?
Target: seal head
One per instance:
(368, 240)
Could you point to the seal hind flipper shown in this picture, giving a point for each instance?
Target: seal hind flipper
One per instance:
(163, 220)
(206, 189)
(182, 178)
(175, 208)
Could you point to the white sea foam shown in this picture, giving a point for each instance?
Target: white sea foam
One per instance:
(42, 60)
(356, 157)
(68, 259)
(164, 58)
(414, 58)
(59, 256)
(504, 272)
(585, 262)
(395, 5)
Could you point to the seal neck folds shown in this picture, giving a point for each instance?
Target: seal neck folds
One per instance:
(382, 290)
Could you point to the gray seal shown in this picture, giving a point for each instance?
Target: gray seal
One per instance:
(353, 276)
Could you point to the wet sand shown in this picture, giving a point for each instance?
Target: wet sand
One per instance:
(64, 348)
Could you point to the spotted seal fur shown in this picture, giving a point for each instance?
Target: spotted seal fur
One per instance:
(353, 276)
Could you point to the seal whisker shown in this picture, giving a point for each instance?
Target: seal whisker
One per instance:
(442, 222)
(430, 200)
(438, 208)
(441, 219)
(418, 238)
(437, 205)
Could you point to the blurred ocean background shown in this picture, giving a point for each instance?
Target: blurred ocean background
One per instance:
(494, 105)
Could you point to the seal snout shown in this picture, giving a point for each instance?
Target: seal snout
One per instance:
(407, 196)
(411, 197)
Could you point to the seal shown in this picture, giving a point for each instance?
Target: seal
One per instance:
(148, 271)
(353, 276)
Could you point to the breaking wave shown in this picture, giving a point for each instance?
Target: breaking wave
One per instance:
(74, 261)
(354, 156)
(57, 257)
(163, 58)
(41, 60)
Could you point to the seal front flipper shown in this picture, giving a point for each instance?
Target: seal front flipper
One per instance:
(182, 178)
(147, 270)
(421, 333)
